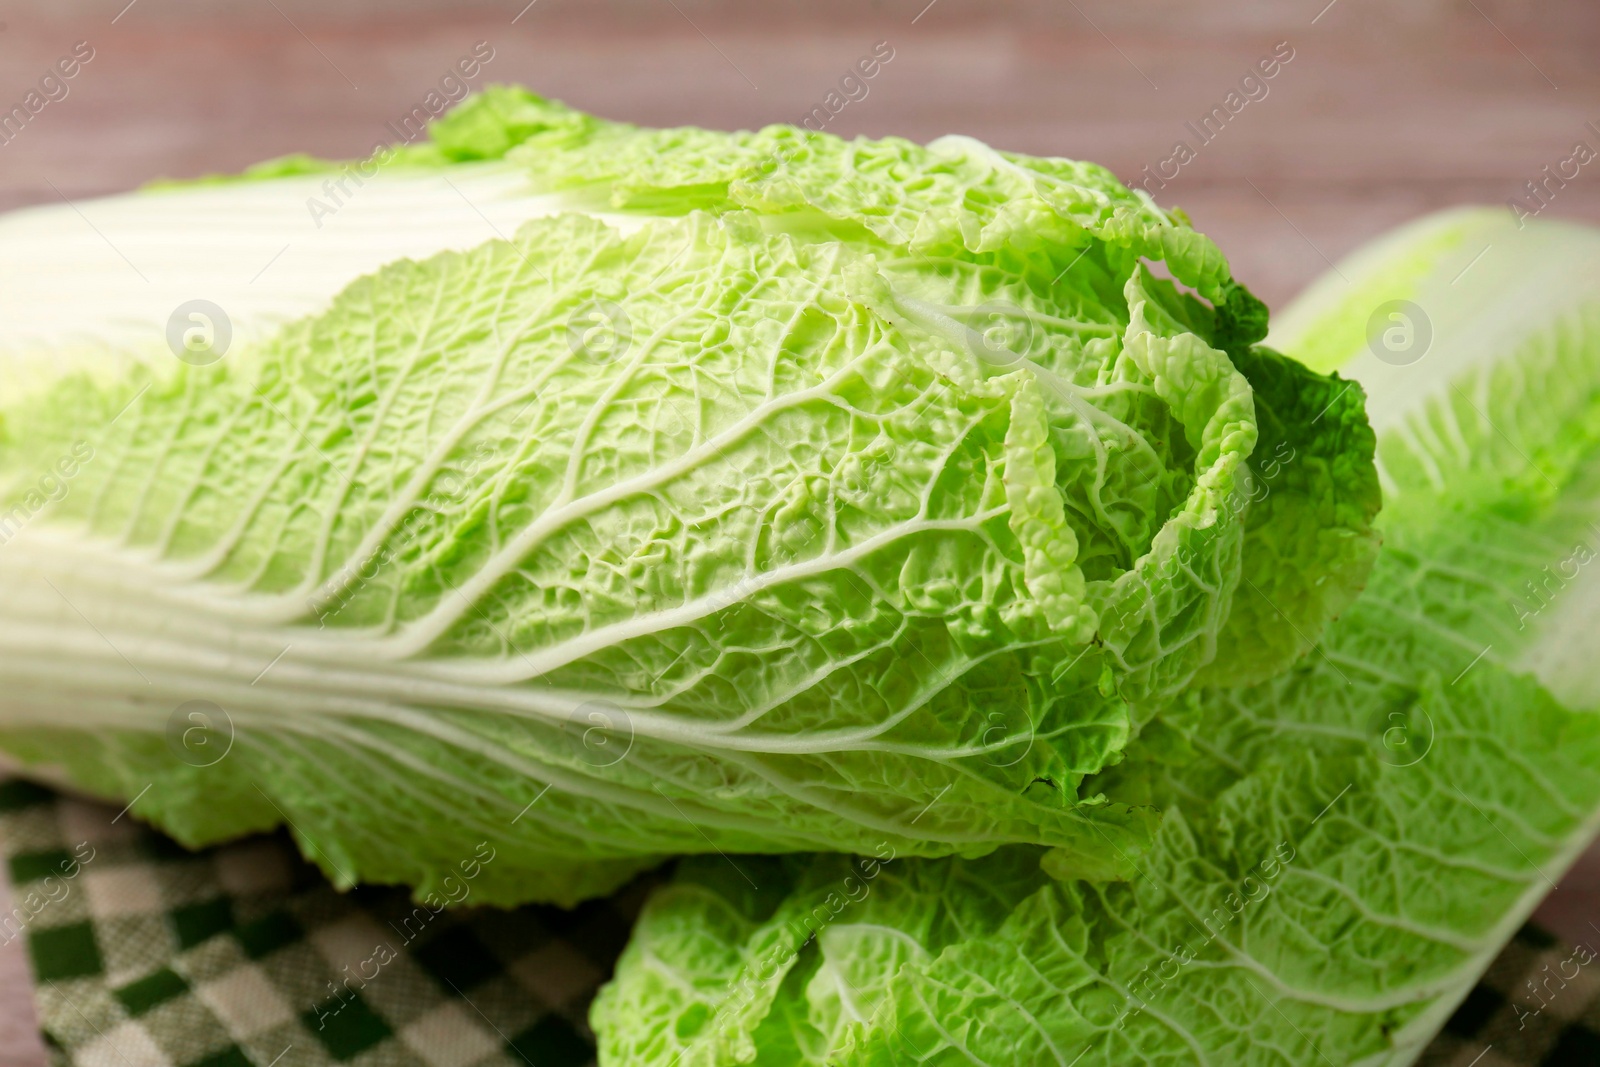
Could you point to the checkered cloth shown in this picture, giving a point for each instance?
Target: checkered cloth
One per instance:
(1539, 1003)
(146, 955)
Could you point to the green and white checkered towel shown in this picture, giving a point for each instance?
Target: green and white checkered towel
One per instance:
(1539, 1003)
(146, 955)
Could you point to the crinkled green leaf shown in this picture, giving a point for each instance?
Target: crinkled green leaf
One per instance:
(1309, 536)
(750, 956)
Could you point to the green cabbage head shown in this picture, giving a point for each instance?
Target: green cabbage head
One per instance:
(610, 493)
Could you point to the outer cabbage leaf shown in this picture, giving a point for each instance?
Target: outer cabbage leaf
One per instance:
(781, 958)
(766, 580)
(1309, 536)
(1513, 308)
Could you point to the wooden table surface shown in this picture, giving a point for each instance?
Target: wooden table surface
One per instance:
(1388, 109)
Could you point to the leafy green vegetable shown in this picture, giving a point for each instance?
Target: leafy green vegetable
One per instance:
(1343, 848)
(763, 492)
